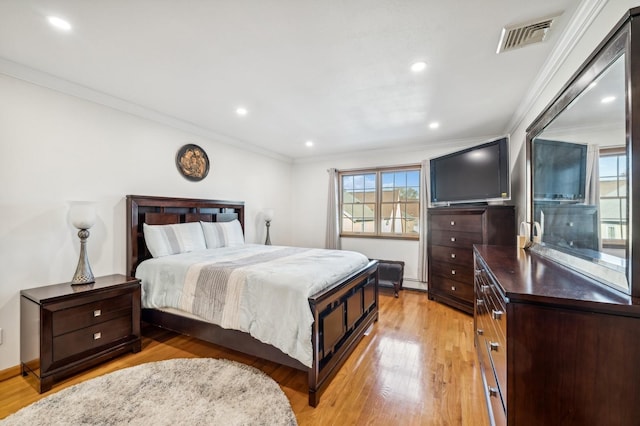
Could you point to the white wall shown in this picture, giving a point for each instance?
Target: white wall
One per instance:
(55, 148)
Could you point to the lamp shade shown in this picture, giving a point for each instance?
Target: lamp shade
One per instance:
(82, 214)
(268, 214)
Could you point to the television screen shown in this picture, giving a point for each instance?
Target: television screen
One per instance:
(476, 174)
(559, 171)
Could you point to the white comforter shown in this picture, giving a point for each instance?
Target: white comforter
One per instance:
(261, 290)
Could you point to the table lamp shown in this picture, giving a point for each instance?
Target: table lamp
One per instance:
(83, 217)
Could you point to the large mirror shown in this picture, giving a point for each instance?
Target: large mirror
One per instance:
(579, 170)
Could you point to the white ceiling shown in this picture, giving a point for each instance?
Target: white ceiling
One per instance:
(333, 71)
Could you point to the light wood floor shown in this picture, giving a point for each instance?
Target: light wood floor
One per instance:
(417, 367)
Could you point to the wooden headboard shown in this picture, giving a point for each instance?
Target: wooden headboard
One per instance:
(166, 210)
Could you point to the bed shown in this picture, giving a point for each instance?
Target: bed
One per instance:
(340, 312)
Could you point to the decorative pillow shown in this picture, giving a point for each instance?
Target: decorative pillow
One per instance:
(163, 240)
(223, 234)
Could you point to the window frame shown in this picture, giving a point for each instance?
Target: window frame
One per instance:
(378, 171)
(623, 223)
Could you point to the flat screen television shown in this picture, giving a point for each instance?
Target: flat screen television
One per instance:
(474, 175)
(560, 170)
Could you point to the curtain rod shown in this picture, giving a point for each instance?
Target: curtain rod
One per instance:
(404, 166)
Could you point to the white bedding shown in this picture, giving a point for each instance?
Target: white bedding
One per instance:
(261, 290)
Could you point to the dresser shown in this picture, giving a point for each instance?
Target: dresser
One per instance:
(554, 346)
(451, 234)
(65, 329)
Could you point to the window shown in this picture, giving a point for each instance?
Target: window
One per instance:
(381, 202)
(613, 197)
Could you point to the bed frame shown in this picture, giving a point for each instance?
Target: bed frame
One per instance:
(342, 313)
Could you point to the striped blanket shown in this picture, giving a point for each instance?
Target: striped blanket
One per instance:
(261, 290)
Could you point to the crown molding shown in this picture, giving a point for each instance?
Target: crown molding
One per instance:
(49, 81)
(581, 20)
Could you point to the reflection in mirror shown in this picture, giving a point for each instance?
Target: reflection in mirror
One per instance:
(579, 174)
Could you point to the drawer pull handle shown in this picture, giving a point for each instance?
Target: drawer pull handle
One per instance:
(479, 302)
(496, 314)
(453, 272)
(453, 255)
(480, 332)
(453, 223)
(453, 239)
(97, 313)
(97, 335)
(494, 346)
(493, 391)
(453, 287)
(484, 288)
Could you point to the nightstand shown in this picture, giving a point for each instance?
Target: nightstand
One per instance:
(65, 329)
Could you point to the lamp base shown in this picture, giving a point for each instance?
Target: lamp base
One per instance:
(83, 274)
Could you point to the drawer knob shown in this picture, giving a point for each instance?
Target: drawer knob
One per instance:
(453, 272)
(496, 314)
(493, 391)
(479, 302)
(97, 335)
(480, 332)
(453, 255)
(97, 313)
(484, 288)
(453, 288)
(453, 223)
(494, 346)
(453, 239)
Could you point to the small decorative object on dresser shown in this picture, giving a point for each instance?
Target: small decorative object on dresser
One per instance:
(83, 216)
(268, 217)
(192, 162)
(452, 232)
(65, 329)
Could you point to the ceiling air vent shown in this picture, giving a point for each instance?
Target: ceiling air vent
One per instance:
(516, 36)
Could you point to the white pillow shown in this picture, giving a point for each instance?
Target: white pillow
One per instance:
(223, 234)
(163, 240)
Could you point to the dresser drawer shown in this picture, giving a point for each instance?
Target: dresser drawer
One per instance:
(453, 288)
(456, 222)
(455, 239)
(453, 271)
(92, 337)
(459, 255)
(88, 314)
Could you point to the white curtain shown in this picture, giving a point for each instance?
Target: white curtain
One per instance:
(332, 240)
(592, 184)
(423, 271)
(592, 181)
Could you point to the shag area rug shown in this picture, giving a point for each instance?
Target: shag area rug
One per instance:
(193, 391)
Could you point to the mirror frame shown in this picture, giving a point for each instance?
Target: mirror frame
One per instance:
(624, 38)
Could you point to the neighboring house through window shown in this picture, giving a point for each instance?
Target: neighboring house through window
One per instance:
(382, 202)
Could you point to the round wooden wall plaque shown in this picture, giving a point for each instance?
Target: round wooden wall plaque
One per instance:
(192, 162)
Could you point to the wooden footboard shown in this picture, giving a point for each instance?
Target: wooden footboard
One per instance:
(342, 314)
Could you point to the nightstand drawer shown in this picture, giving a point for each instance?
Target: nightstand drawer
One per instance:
(82, 316)
(457, 222)
(92, 337)
(456, 239)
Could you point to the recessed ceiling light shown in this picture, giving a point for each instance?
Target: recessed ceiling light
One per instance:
(608, 99)
(59, 23)
(418, 66)
(434, 125)
(242, 111)
(309, 143)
